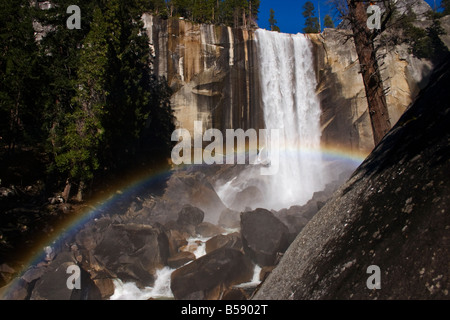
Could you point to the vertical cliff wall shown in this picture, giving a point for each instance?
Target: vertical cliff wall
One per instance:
(211, 70)
(345, 118)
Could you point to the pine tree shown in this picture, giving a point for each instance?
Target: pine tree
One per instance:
(373, 83)
(85, 130)
(60, 61)
(328, 22)
(445, 4)
(311, 22)
(273, 21)
(19, 76)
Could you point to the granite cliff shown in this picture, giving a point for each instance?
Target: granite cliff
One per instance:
(213, 71)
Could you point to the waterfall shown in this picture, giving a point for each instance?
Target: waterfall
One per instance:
(290, 105)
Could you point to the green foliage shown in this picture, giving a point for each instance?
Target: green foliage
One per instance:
(87, 95)
(227, 12)
(273, 21)
(311, 22)
(445, 5)
(84, 133)
(328, 22)
(424, 43)
(19, 75)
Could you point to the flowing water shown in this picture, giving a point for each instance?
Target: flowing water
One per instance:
(288, 85)
(290, 104)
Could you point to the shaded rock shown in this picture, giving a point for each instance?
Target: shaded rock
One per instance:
(190, 215)
(180, 259)
(234, 294)
(224, 241)
(230, 219)
(133, 252)
(105, 286)
(265, 272)
(263, 236)
(33, 274)
(52, 285)
(392, 213)
(207, 230)
(188, 188)
(16, 290)
(249, 197)
(176, 241)
(6, 274)
(200, 279)
(7, 192)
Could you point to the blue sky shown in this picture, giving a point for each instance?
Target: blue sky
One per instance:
(288, 13)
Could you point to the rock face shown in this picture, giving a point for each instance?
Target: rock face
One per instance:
(263, 236)
(133, 252)
(190, 215)
(208, 276)
(211, 70)
(393, 213)
(345, 119)
(224, 241)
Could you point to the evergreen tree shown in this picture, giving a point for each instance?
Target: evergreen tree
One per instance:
(85, 131)
(311, 22)
(445, 4)
(19, 74)
(60, 61)
(328, 22)
(423, 43)
(273, 21)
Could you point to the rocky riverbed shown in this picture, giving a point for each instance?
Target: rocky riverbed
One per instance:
(135, 244)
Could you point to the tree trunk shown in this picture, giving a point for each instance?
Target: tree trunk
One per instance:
(80, 194)
(66, 192)
(373, 83)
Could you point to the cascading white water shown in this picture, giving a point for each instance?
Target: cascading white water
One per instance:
(288, 87)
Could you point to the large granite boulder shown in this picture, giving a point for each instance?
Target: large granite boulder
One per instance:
(232, 240)
(392, 215)
(52, 284)
(263, 236)
(207, 277)
(133, 252)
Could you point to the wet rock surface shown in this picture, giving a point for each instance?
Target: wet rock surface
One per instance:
(221, 268)
(263, 236)
(133, 245)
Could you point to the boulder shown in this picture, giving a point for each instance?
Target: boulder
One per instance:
(106, 287)
(234, 294)
(208, 230)
(6, 274)
(190, 215)
(224, 241)
(201, 279)
(187, 187)
(263, 236)
(133, 252)
(230, 219)
(52, 285)
(180, 259)
(176, 241)
(249, 197)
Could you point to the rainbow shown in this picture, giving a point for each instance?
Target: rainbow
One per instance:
(142, 181)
